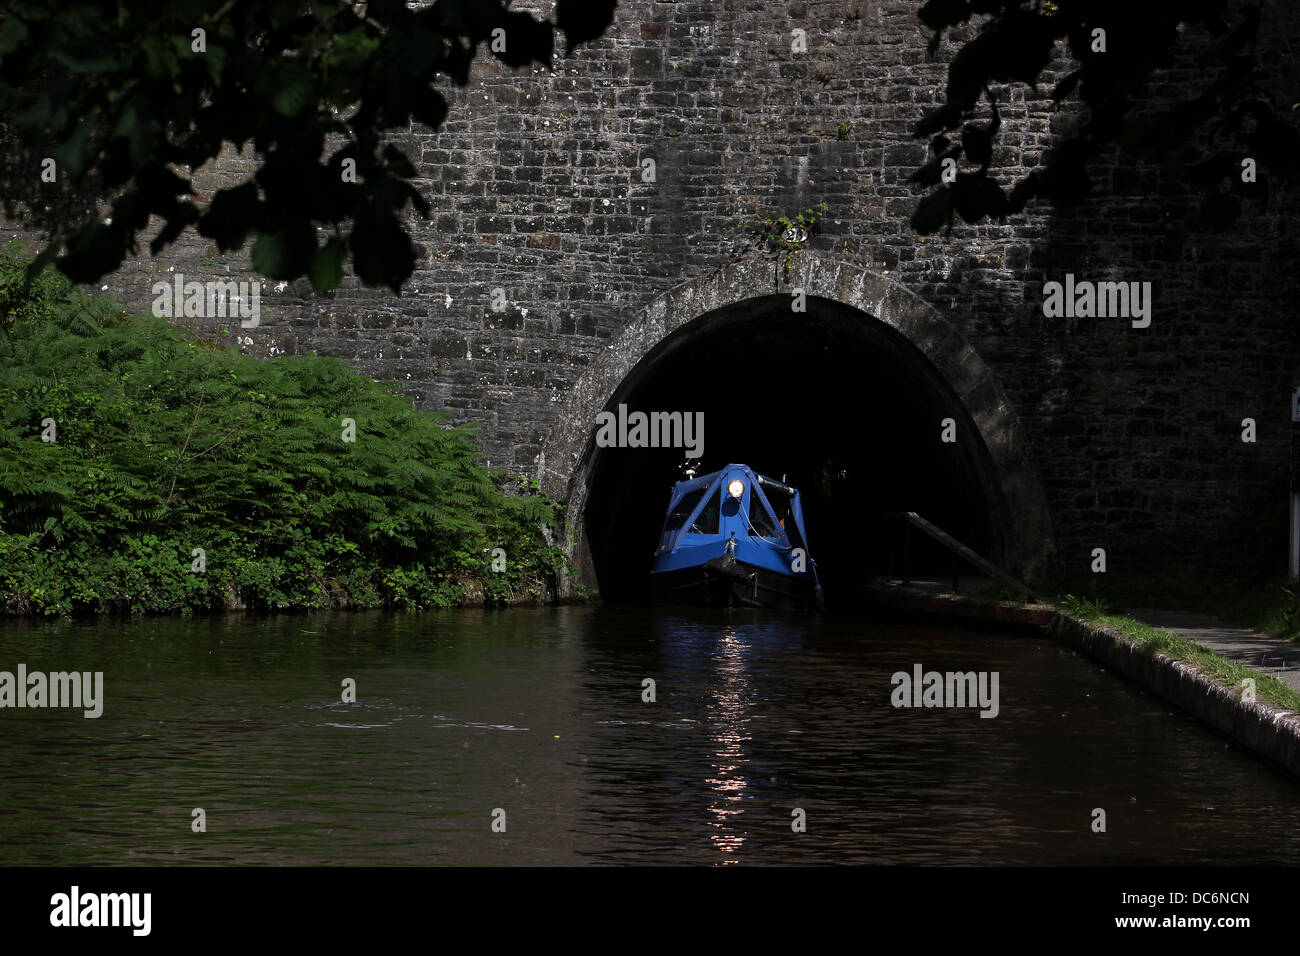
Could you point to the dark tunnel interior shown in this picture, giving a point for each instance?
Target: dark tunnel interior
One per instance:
(834, 402)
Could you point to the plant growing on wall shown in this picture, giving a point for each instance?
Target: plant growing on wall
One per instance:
(779, 232)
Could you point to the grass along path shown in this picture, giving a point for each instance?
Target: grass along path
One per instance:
(1186, 648)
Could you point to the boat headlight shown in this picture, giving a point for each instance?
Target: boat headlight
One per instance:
(736, 488)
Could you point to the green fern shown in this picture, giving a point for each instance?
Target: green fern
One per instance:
(165, 445)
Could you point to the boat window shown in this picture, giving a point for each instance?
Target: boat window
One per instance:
(683, 510)
(781, 506)
(707, 522)
(762, 522)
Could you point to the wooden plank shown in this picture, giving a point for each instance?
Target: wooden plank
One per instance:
(952, 544)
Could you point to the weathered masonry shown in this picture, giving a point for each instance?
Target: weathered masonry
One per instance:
(1071, 433)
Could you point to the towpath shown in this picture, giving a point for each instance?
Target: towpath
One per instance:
(1272, 655)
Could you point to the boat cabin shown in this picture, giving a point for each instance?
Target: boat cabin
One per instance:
(735, 502)
(735, 538)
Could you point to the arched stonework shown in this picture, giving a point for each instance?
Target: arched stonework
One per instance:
(568, 452)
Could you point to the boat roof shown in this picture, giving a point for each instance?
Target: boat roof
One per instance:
(701, 481)
(759, 485)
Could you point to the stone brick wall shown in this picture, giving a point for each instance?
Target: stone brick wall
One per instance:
(536, 188)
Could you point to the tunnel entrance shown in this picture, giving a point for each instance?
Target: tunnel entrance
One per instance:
(847, 412)
(843, 404)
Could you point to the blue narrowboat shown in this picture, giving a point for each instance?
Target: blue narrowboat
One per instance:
(735, 538)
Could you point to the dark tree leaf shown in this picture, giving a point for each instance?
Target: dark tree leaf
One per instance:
(398, 163)
(327, 265)
(459, 57)
(1068, 84)
(933, 212)
(382, 253)
(526, 40)
(1022, 193)
(12, 33)
(291, 89)
(975, 197)
(75, 151)
(428, 107)
(284, 253)
(583, 20)
(977, 144)
(969, 73)
(932, 172)
(118, 91)
(232, 215)
(94, 251)
(945, 117)
(1065, 180)
(183, 215)
(1222, 113)
(940, 14)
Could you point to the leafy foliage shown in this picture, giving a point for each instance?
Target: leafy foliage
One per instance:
(130, 97)
(1232, 115)
(165, 445)
(781, 233)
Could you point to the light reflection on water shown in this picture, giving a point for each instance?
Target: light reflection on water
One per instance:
(727, 719)
(539, 713)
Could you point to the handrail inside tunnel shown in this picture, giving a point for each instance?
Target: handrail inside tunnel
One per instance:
(912, 519)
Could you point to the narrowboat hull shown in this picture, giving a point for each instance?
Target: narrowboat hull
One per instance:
(726, 582)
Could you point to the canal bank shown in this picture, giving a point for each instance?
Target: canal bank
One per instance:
(1215, 692)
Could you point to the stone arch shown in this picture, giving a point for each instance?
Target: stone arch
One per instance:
(1016, 496)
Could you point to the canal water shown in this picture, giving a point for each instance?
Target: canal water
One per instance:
(536, 718)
